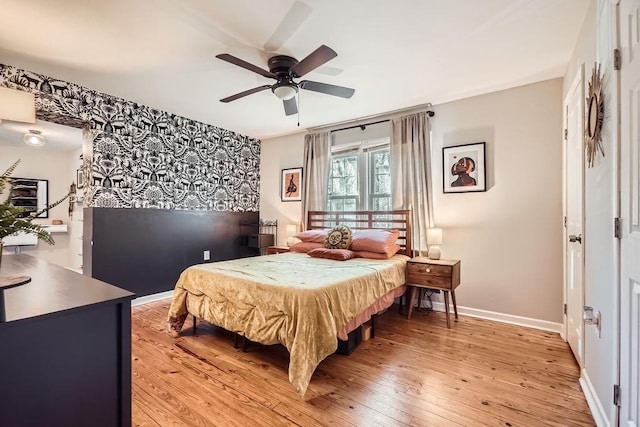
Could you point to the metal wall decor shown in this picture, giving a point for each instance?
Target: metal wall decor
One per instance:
(594, 117)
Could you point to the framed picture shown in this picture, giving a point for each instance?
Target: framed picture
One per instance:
(464, 168)
(79, 178)
(291, 185)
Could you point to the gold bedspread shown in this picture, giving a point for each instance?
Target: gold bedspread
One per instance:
(291, 299)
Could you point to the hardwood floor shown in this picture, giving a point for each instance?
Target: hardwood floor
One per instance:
(414, 373)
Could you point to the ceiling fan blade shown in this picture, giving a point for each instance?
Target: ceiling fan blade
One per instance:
(245, 93)
(315, 59)
(296, 15)
(290, 106)
(341, 91)
(244, 64)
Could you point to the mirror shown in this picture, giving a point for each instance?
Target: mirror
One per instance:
(594, 117)
(31, 194)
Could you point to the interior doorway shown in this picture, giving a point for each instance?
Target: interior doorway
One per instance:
(58, 163)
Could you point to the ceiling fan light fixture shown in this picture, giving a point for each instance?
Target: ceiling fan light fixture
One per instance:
(34, 138)
(284, 91)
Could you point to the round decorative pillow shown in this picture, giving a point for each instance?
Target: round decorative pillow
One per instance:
(339, 237)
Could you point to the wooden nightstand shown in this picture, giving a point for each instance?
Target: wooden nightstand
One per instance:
(442, 274)
(271, 250)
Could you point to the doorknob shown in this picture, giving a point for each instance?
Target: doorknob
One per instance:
(574, 238)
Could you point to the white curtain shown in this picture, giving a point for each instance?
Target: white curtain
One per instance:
(411, 173)
(315, 175)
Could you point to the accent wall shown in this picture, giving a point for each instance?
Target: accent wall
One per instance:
(162, 192)
(147, 158)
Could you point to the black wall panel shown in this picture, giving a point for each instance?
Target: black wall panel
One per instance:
(145, 250)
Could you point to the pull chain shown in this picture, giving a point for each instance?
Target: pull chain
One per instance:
(298, 108)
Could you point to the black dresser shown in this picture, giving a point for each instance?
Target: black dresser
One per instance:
(65, 349)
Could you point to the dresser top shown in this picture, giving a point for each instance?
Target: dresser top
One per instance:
(53, 289)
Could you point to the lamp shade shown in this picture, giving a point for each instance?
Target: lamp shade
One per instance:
(284, 91)
(17, 105)
(434, 236)
(291, 230)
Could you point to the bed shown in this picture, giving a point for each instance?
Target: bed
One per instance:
(301, 302)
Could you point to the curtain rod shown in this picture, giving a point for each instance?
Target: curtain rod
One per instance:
(362, 126)
(388, 114)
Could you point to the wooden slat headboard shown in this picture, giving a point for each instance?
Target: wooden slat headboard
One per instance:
(363, 220)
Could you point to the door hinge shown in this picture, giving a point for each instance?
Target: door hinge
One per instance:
(565, 309)
(617, 230)
(565, 222)
(566, 134)
(616, 395)
(617, 59)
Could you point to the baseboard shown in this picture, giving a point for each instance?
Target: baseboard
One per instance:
(437, 306)
(597, 411)
(151, 298)
(503, 318)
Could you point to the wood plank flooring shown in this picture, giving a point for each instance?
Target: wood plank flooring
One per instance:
(414, 373)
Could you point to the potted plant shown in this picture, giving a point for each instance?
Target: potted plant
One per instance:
(15, 219)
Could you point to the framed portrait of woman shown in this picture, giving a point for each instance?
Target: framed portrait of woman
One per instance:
(464, 168)
(291, 185)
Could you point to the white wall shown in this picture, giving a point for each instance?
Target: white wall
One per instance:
(59, 168)
(277, 154)
(509, 238)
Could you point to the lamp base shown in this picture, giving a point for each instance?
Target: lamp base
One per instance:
(292, 241)
(434, 252)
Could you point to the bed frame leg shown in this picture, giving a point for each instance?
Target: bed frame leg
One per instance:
(236, 337)
(194, 325)
(373, 326)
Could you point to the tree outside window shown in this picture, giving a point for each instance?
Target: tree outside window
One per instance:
(360, 179)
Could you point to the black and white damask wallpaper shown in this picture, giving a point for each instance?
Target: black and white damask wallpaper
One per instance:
(147, 158)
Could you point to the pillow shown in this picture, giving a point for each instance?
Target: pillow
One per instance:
(335, 254)
(377, 255)
(316, 236)
(305, 247)
(380, 241)
(339, 237)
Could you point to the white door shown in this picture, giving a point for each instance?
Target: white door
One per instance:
(574, 261)
(630, 213)
(602, 248)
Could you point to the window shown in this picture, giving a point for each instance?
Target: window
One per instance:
(360, 176)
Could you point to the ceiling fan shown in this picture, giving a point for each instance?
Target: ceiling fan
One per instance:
(284, 69)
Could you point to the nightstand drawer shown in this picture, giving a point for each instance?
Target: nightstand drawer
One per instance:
(429, 269)
(425, 280)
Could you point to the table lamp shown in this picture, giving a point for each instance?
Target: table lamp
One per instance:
(434, 238)
(291, 230)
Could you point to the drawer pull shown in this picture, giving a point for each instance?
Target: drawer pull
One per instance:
(428, 270)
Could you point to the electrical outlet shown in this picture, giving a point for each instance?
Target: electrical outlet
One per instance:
(206, 255)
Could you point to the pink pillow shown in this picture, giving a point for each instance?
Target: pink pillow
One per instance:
(305, 247)
(377, 255)
(315, 236)
(335, 254)
(380, 241)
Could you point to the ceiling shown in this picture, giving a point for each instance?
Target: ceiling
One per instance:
(57, 137)
(395, 54)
